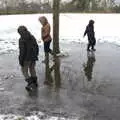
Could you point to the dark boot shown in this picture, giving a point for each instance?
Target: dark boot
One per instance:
(88, 47)
(46, 57)
(51, 52)
(32, 84)
(27, 80)
(30, 81)
(34, 81)
(93, 48)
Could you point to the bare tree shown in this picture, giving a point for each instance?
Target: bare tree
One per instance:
(56, 26)
(6, 6)
(23, 5)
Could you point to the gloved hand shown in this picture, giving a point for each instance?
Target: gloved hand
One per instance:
(21, 63)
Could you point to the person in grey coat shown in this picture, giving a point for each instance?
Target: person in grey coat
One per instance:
(28, 54)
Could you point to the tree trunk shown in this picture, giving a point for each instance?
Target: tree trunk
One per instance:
(56, 26)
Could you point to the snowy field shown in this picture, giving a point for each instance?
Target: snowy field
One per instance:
(72, 26)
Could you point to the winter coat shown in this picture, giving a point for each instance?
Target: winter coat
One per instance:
(28, 48)
(90, 33)
(46, 33)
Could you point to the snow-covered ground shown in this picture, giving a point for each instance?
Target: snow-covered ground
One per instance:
(72, 26)
(38, 116)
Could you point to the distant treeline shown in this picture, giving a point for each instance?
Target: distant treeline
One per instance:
(76, 6)
(26, 8)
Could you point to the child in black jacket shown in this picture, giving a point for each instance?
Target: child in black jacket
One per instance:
(91, 35)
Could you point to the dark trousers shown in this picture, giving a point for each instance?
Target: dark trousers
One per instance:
(91, 43)
(28, 69)
(47, 47)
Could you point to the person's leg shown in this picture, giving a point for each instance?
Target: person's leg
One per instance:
(88, 47)
(45, 51)
(93, 48)
(33, 72)
(32, 69)
(24, 70)
(93, 44)
(89, 43)
(48, 47)
(45, 47)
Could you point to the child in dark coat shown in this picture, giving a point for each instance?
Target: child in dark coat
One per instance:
(28, 54)
(91, 35)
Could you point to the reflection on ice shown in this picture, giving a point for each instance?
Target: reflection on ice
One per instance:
(52, 72)
(88, 67)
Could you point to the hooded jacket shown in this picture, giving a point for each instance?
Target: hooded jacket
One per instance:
(45, 31)
(90, 31)
(28, 47)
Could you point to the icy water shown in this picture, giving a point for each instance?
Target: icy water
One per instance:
(84, 86)
(72, 26)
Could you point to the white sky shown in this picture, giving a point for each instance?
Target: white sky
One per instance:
(117, 0)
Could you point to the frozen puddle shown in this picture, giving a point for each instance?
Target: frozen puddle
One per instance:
(38, 116)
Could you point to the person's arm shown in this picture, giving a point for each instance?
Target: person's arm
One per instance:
(21, 52)
(35, 45)
(85, 32)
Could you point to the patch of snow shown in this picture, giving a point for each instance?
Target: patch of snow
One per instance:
(40, 116)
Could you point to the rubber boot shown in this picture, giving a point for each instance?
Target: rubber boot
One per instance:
(93, 48)
(51, 52)
(29, 87)
(27, 79)
(88, 47)
(34, 80)
(46, 57)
